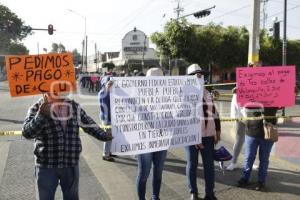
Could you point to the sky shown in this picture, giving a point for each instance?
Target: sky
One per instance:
(107, 21)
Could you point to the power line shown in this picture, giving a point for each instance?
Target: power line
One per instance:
(141, 10)
(275, 14)
(232, 11)
(134, 17)
(281, 2)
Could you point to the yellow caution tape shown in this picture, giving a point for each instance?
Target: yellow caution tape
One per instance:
(7, 133)
(258, 118)
(105, 127)
(219, 84)
(10, 133)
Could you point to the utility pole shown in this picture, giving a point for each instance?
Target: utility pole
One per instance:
(178, 10)
(264, 12)
(82, 55)
(96, 57)
(284, 46)
(143, 58)
(253, 54)
(86, 47)
(284, 42)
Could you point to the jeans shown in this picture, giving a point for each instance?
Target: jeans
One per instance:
(144, 166)
(207, 154)
(239, 141)
(251, 145)
(47, 180)
(106, 148)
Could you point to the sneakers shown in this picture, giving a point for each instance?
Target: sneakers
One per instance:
(255, 167)
(194, 197)
(112, 155)
(108, 158)
(260, 186)
(231, 167)
(242, 183)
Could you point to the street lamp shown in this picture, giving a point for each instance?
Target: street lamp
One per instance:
(85, 37)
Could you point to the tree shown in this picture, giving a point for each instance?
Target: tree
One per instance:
(18, 49)
(223, 47)
(12, 31)
(61, 48)
(176, 39)
(108, 65)
(76, 57)
(54, 48)
(58, 48)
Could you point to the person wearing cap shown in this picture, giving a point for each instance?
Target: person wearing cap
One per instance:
(237, 112)
(105, 114)
(211, 130)
(145, 162)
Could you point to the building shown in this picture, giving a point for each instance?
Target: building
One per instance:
(134, 54)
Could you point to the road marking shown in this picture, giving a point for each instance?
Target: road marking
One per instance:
(4, 149)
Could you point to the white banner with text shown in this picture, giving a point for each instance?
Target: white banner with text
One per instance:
(155, 113)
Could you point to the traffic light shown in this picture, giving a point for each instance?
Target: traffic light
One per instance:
(50, 29)
(276, 30)
(202, 13)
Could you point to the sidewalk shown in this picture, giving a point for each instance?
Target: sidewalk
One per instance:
(116, 181)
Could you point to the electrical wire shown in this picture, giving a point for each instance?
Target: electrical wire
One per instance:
(232, 11)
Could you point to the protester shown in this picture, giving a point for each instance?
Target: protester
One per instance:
(237, 112)
(93, 81)
(254, 139)
(211, 130)
(53, 122)
(105, 114)
(145, 162)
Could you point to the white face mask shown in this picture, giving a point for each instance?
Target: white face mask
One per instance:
(64, 95)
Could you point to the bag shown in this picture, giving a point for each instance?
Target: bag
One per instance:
(271, 132)
(221, 154)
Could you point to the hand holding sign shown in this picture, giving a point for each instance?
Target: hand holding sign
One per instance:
(45, 107)
(108, 136)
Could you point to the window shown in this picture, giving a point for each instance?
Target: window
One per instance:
(134, 37)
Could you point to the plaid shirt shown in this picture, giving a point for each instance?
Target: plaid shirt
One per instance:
(55, 147)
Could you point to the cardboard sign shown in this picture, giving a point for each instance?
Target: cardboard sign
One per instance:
(151, 114)
(266, 86)
(37, 74)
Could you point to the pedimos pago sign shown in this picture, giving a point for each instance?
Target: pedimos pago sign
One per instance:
(37, 74)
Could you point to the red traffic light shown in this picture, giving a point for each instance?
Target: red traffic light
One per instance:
(50, 29)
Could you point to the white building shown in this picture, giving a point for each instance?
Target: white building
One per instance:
(135, 52)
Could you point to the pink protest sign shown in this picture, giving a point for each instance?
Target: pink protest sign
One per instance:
(266, 86)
